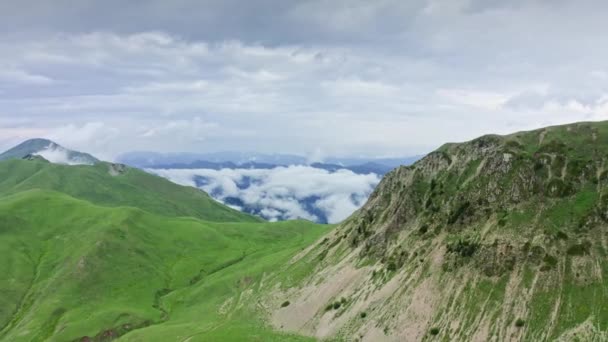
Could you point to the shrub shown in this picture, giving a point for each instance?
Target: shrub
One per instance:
(460, 211)
(559, 188)
(337, 305)
(514, 144)
(434, 331)
(363, 315)
(424, 228)
(502, 221)
(329, 307)
(579, 249)
(520, 323)
(464, 248)
(550, 260)
(561, 235)
(285, 303)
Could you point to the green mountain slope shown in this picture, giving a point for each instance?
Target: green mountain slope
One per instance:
(74, 271)
(34, 146)
(116, 185)
(503, 238)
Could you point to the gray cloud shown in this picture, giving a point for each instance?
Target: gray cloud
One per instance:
(332, 77)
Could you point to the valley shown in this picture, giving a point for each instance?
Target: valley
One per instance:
(502, 238)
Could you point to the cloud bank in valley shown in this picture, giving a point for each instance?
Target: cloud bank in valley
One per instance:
(284, 192)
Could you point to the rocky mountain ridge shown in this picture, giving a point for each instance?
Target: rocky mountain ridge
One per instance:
(500, 238)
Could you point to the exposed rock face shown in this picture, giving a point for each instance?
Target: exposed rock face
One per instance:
(35, 157)
(117, 169)
(498, 229)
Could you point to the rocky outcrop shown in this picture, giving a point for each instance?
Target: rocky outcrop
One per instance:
(117, 169)
(34, 157)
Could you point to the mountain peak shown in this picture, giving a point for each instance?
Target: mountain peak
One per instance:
(48, 150)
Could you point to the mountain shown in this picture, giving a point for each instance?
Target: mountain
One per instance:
(115, 185)
(154, 159)
(362, 169)
(105, 252)
(75, 271)
(502, 238)
(391, 163)
(203, 164)
(234, 160)
(50, 151)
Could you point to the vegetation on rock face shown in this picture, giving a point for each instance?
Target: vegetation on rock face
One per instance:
(485, 231)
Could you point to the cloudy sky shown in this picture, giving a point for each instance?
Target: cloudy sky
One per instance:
(335, 77)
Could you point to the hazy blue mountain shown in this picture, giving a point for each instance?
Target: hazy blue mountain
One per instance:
(50, 151)
(357, 161)
(185, 160)
(154, 159)
(204, 164)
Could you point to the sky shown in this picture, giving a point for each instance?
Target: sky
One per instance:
(310, 77)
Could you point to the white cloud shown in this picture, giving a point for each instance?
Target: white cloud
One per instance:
(58, 155)
(285, 192)
(384, 77)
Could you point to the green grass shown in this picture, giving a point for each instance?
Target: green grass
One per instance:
(134, 188)
(76, 269)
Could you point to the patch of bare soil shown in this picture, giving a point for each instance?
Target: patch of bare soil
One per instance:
(307, 302)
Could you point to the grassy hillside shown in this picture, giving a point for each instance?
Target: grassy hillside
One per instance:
(74, 270)
(115, 185)
(503, 238)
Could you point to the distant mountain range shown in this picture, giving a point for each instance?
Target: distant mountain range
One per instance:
(242, 160)
(50, 151)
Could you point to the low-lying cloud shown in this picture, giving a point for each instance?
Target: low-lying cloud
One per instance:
(58, 155)
(284, 192)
